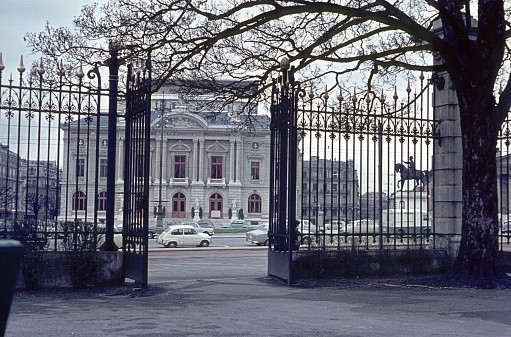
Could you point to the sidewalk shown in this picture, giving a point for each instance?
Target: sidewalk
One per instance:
(262, 307)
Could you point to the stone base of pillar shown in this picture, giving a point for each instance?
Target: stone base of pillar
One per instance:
(450, 243)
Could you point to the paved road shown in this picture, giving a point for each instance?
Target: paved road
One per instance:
(235, 298)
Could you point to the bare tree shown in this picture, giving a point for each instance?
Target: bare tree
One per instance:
(239, 39)
(35, 203)
(7, 197)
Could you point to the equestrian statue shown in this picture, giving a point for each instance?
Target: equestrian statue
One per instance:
(410, 173)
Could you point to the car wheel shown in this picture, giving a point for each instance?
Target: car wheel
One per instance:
(265, 242)
(306, 241)
(172, 244)
(204, 243)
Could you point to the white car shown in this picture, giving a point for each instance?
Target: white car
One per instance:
(183, 235)
(258, 236)
(207, 229)
(364, 226)
(335, 227)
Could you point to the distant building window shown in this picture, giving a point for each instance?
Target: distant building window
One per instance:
(334, 187)
(254, 170)
(254, 204)
(102, 201)
(216, 167)
(103, 168)
(179, 166)
(314, 187)
(79, 201)
(80, 167)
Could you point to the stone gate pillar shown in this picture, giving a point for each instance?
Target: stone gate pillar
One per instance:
(448, 165)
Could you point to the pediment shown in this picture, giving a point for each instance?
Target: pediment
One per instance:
(180, 147)
(216, 147)
(180, 121)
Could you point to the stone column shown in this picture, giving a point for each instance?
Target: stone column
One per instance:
(195, 156)
(164, 151)
(201, 161)
(231, 162)
(239, 161)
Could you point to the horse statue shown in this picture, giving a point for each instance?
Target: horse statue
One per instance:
(420, 177)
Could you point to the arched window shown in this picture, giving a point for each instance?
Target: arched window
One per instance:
(79, 201)
(254, 204)
(101, 201)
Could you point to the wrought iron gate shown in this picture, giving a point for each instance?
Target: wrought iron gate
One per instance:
(348, 174)
(283, 165)
(136, 172)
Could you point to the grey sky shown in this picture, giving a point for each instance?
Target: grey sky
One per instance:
(17, 17)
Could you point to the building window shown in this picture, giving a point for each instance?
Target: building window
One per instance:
(334, 187)
(80, 167)
(179, 166)
(101, 201)
(216, 167)
(314, 187)
(103, 168)
(254, 170)
(254, 204)
(79, 201)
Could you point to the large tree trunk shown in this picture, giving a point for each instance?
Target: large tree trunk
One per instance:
(477, 263)
(473, 64)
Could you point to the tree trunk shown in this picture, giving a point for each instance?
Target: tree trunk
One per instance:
(477, 263)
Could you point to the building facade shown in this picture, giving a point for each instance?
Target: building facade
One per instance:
(329, 190)
(213, 158)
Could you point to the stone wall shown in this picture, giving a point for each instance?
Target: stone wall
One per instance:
(320, 264)
(42, 269)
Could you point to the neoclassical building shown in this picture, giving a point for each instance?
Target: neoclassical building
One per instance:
(213, 157)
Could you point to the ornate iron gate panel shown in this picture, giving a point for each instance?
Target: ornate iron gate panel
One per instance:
(136, 172)
(349, 174)
(51, 184)
(282, 175)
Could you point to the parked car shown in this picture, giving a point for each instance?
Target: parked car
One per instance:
(365, 226)
(207, 230)
(505, 228)
(183, 235)
(334, 227)
(170, 222)
(206, 223)
(306, 231)
(237, 224)
(258, 236)
(151, 231)
(405, 222)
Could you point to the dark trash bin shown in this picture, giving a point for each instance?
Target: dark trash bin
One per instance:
(10, 257)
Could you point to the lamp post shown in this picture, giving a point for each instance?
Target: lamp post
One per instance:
(109, 244)
(159, 209)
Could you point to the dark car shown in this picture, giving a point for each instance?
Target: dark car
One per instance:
(170, 222)
(151, 233)
(237, 224)
(206, 223)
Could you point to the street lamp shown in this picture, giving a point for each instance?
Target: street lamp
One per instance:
(159, 210)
